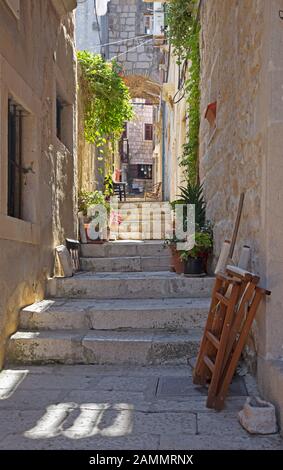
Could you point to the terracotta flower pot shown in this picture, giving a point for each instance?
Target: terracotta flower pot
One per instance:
(177, 264)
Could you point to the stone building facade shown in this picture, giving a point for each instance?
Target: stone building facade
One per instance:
(37, 148)
(131, 21)
(241, 151)
(140, 138)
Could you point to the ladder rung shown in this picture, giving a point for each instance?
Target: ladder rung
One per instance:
(222, 299)
(209, 363)
(213, 339)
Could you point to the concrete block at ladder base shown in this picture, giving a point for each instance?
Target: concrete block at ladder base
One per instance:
(258, 416)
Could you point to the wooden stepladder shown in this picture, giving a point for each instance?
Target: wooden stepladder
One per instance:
(235, 299)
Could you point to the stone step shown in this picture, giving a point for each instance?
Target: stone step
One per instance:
(140, 205)
(145, 227)
(167, 314)
(126, 264)
(142, 236)
(146, 285)
(125, 249)
(96, 347)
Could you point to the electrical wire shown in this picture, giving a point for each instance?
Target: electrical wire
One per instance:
(125, 40)
(132, 48)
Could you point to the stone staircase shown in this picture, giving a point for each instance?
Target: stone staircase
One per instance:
(126, 307)
(143, 221)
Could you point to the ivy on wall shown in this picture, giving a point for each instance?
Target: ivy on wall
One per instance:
(107, 101)
(184, 37)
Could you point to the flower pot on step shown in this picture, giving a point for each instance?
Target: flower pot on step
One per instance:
(177, 265)
(194, 266)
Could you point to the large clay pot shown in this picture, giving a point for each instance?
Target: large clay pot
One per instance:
(177, 265)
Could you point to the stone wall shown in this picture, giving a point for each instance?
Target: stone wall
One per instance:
(37, 63)
(242, 69)
(140, 150)
(87, 28)
(126, 21)
(175, 125)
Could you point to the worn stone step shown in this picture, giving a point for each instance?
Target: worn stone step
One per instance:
(140, 205)
(96, 347)
(142, 235)
(145, 285)
(126, 264)
(145, 227)
(118, 249)
(167, 314)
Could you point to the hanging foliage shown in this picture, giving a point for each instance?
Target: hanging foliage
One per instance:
(107, 101)
(184, 37)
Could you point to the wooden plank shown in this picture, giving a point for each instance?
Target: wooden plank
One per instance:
(231, 366)
(214, 384)
(209, 363)
(222, 299)
(242, 274)
(213, 339)
(237, 225)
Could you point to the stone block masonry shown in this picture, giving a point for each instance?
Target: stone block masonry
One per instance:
(126, 20)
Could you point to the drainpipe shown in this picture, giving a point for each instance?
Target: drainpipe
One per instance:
(163, 107)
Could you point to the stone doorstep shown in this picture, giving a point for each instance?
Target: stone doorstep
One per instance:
(108, 347)
(145, 285)
(126, 264)
(167, 314)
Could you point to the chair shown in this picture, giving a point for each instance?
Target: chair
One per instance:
(118, 186)
(155, 193)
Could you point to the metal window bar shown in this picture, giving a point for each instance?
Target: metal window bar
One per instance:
(15, 116)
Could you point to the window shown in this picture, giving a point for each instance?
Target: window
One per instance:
(145, 172)
(59, 115)
(148, 24)
(15, 139)
(148, 132)
(64, 121)
(125, 131)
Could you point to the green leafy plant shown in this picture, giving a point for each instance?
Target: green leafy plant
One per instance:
(108, 186)
(91, 198)
(203, 245)
(184, 36)
(193, 194)
(107, 101)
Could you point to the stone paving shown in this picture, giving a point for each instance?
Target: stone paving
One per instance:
(119, 407)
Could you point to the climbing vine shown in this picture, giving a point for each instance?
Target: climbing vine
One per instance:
(107, 101)
(184, 37)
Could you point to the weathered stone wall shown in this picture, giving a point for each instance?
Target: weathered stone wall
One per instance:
(90, 167)
(242, 69)
(87, 28)
(231, 154)
(37, 62)
(175, 124)
(125, 21)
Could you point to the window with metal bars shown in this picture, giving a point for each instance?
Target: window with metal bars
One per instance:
(15, 131)
(148, 132)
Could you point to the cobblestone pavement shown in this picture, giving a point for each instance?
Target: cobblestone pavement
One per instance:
(111, 407)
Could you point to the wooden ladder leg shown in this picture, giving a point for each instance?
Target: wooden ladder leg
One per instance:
(200, 371)
(224, 337)
(230, 369)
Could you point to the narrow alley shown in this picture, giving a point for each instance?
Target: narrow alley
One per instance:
(140, 225)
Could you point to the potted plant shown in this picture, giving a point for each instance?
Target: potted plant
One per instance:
(88, 200)
(177, 264)
(195, 259)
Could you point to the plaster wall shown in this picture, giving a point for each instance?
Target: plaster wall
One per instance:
(37, 63)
